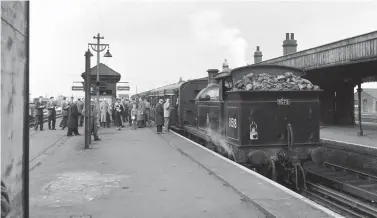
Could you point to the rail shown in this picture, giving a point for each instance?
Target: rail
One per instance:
(45, 119)
(349, 192)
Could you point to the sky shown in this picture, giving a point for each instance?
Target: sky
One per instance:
(154, 43)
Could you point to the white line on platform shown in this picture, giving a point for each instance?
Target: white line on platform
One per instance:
(329, 212)
(350, 143)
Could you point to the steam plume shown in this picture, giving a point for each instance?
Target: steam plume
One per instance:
(208, 28)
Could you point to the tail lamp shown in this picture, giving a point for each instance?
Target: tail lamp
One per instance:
(253, 131)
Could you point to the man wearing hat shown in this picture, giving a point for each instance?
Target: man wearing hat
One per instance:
(72, 118)
(80, 106)
(159, 116)
(51, 114)
(93, 119)
(38, 114)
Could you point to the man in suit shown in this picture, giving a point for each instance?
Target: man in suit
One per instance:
(38, 114)
(159, 116)
(80, 106)
(51, 114)
(72, 119)
(64, 105)
(93, 120)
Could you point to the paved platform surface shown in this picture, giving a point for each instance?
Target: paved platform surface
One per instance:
(141, 174)
(348, 134)
(129, 174)
(42, 143)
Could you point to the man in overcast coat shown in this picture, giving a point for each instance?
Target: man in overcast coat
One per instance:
(73, 114)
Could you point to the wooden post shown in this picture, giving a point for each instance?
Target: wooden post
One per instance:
(359, 90)
(88, 106)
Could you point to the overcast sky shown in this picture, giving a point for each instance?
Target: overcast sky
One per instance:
(153, 43)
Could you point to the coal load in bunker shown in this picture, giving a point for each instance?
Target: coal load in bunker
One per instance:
(265, 117)
(264, 81)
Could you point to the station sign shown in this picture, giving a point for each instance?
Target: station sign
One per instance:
(123, 88)
(77, 88)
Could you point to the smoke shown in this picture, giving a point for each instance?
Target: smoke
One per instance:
(209, 29)
(215, 137)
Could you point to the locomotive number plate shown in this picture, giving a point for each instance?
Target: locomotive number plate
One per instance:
(232, 122)
(283, 101)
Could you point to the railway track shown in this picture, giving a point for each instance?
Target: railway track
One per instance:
(346, 191)
(45, 119)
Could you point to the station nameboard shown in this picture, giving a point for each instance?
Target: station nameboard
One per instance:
(123, 88)
(77, 88)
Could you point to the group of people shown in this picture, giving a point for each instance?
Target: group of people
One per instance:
(73, 113)
(120, 111)
(136, 113)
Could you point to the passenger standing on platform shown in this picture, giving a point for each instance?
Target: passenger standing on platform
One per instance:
(51, 114)
(93, 129)
(38, 114)
(109, 117)
(167, 110)
(140, 114)
(125, 111)
(130, 106)
(159, 116)
(64, 104)
(80, 106)
(133, 115)
(112, 110)
(103, 109)
(73, 114)
(118, 110)
(147, 112)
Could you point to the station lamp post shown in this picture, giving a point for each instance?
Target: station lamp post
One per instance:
(98, 47)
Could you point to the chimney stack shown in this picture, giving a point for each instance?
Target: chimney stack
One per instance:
(211, 74)
(289, 44)
(257, 56)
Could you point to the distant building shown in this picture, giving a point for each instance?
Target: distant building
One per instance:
(368, 101)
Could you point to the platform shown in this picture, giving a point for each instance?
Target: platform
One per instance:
(345, 148)
(348, 135)
(137, 173)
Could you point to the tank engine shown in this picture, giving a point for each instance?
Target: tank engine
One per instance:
(271, 131)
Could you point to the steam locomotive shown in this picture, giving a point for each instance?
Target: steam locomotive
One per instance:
(273, 132)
